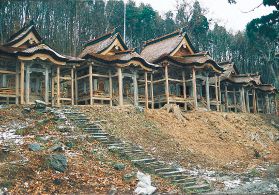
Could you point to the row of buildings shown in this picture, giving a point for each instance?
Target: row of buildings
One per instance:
(168, 70)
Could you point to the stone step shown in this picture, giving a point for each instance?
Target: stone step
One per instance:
(99, 134)
(175, 177)
(138, 157)
(186, 184)
(100, 138)
(189, 179)
(131, 152)
(170, 173)
(197, 188)
(140, 161)
(165, 170)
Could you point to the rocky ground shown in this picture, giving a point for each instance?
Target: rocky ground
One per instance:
(234, 153)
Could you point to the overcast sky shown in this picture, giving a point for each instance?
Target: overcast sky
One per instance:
(228, 15)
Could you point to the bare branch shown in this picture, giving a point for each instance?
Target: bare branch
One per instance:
(252, 9)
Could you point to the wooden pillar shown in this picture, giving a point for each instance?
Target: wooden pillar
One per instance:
(207, 91)
(263, 107)
(46, 84)
(220, 95)
(151, 91)
(110, 88)
(17, 83)
(76, 88)
(58, 85)
(254, 100)
(52, 85)
(195, 90)
(247, 101)
(226, 97)
(135, 89)
(90, 85)
(120, 82)
(234, 99)
(27, 84)
(275, 104)
(216, 93)
(267, 105)
(167, 84)
(146, 89)
(72, 87)
(184, 90)
(243, 99)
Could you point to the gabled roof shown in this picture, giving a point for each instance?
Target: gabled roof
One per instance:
(44, 52)
(102, 44)
(165, 45)
(122, 59)
(23, 33)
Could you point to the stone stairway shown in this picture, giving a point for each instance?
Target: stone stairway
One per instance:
(143, 160)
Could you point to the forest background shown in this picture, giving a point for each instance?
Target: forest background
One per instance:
(67, 25)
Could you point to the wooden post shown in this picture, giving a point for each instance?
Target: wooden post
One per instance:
(243, 99)
(58, 85)
(216, 93)
(17, 83)
(275, 104)
(90, 85)
(195, 90)
(167, 84)
(27, 83)
(226, 97)
(76, 87)
(52, 85)
(247, 101)
(207, 91)
(151, 91)
(72, 87)
(120, 82)
(146, 89)
(254, 101)
(46, 85)
(267, 105)
(184, 90)
(234, 98)
(135, 89)
(220, 95)
(263, 107)
(110, 88)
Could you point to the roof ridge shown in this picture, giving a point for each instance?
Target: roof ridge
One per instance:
(162, 37)
(96, 40)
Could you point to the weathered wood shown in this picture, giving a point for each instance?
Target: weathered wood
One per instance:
(82, 77)
(267, 104)
(66, 78)
(219, 90)
(76, 88)
(184, 90)
(135, 89)
(110, 88)
(234, 99)
(175, 80)
(146, 90)
(275, 103)
(227, 98)
(151, 91)
(46, 85)
(167, 84)
(158, 81)
(120, 82)
(7, 72)
(254, 101)
(207, 92)
(99, 75)
(243, 99)
(247, 101)
(195, 90)
(27, 83)
(90, 84)
(58, 85)
(17, 83)
(216, 93)
(52, 85)
(72, 87)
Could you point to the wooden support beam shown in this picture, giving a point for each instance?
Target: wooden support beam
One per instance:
(72, 87)
(27, 84)
(120, 83)
(151, 91)
(243, 98)
(275, 104)
(146, 90)
(17, 83)
(254, 101)
(234, 99)
(267, 105)
(7, 72)
(82, 77)
(90, 85)
(58, 85)
(219, 90)
(216, 93)
(52, 85)
(110, 88)
(135, 89)
(76, 88)
(263, 107)
(167, 84)
(46, 84)
(184, 90)
(158, 81)
(247, 101)
(175, 80)
(207, 91)
(66, 78)
(99, 75)
(195, 90)
(226, 98)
